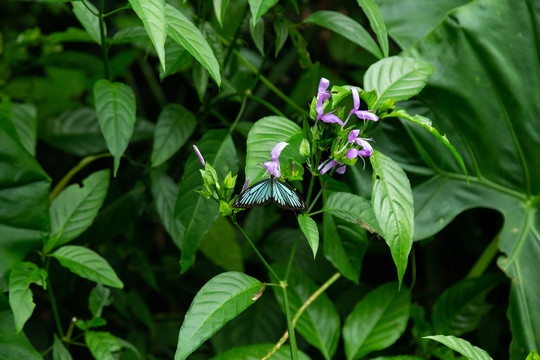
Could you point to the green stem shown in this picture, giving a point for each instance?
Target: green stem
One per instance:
(240, 113)
(290, 326)
(485, 259)
(125, 7)
(65, 180)
(103, 39)
(55, 309)
(291, 258)
(266, 104)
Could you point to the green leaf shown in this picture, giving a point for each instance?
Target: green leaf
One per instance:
(195, 212)
(98, 299)
(59, 351)
(257, 35)
(396, 77)
(152, 14)
(377, 23)
(319, 325)
(346, 27)
(22, 275)
(25, 120)
(174, 126)
(377, 321)
(87, 264)
(398, 357)
(165, 192)
(282, 32)
(533, 356)
(460, 308)
(354, 209)
(310, 230)
(258, 351)
(260, 7)
(218, 301)
(132, 34)
(220, 8)
(221, 246)
(461, 346)
(186, 34)
(24, 195)
(74, 209)
(393, 206)
(262, 138)
(102, 344)
(115, 108)
(88, 20)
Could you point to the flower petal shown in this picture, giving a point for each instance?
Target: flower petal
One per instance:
(352, 153)
(356, 100)
(367, 150)
(353, 135)
(322, 94)
(341, 169)
(272, 167)
(201, 159)
(276, 151)
(366, 115)
(331, 118)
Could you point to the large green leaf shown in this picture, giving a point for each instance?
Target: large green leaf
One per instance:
(377, 23)
(24, 195)
(393, 207)
(87, 16)
(87, 264)
(377, 321)
(462, 346)
(186, 34)
(152, 14)
(354, 209)
(488, 110)
(218, 301)
(74, 210)
(174, 126)
(195, 212)
(22, 275)
(115, 108)
(262, 138)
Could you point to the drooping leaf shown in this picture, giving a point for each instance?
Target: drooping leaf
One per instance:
(74, 210)
(218, 301)
(377, 23)
(87, 264)
(377, 321)
(195, 212)
(221, 246)
(115, 108)
(22, 275)
(345, 26)
(461, 346)
(282, 32)
(98, 299)
(88, 19)
(397, 77)
(102, 344)
(260, 7)
(174, 126)
(186, 34)
(152, 14)
(257, 35)
(354, 209)
(310, 230)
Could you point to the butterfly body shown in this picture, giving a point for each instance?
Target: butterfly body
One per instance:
(271, 189)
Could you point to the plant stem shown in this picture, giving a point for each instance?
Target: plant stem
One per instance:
(291, 258)
(290, 325)
(103, 40)
(485, 259)
(65, 180)
(55, 309)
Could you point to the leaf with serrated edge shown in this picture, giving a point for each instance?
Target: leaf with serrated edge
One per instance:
(186, 34)
(463, 347)
(310, 230)
(87, 264)
(377, 321)
(74, 210)
(392, 202)
(115, 108)
(218, 301)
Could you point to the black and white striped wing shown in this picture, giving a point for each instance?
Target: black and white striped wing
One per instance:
(284, 196)
(258, 194)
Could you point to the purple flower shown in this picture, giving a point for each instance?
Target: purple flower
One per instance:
(199, 155)
(366, 150)
(322, 96)
(330, 164)
(246, 184)
(272, 167)
(361, 114)
(322, 93)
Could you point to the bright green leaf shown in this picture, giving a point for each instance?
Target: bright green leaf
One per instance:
(260, 7)
(220, 8)
(88, 19)
(461, 346)
(218, 301)
(310, 230)
(377, 23)
(102, 344)
(533, 356)
(87, 264)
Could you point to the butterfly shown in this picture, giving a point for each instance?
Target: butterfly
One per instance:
(260, 194)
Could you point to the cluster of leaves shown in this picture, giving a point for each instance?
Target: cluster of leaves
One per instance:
(139, 81)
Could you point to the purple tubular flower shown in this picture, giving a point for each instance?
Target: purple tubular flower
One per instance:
(322, 96)
(246, 184)
(199, 155)
(329, 164)
(361, 114)
(366, 150)
(272, 167)
(322, 93)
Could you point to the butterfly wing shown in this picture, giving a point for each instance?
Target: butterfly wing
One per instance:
(286, 197)
(258, 194)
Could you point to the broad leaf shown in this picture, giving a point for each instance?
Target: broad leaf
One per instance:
(59, 351)
(102, 344)
(174, 126)
(393, 206)
(461, 346)
(88, 19)
(258, 351)
(186, 34)
(22, 275)
(377, 23)
(354, 209)
(218, 301)
(87, 264)
(25, 120)
(115, 108)
(260, 7)
(98, 299)
(346, 27)
(396, 77)
(221, 246)
(74, 210)
(377, 321)
(310, 230)
(152, 14)
(262, 138)
(195, 212)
